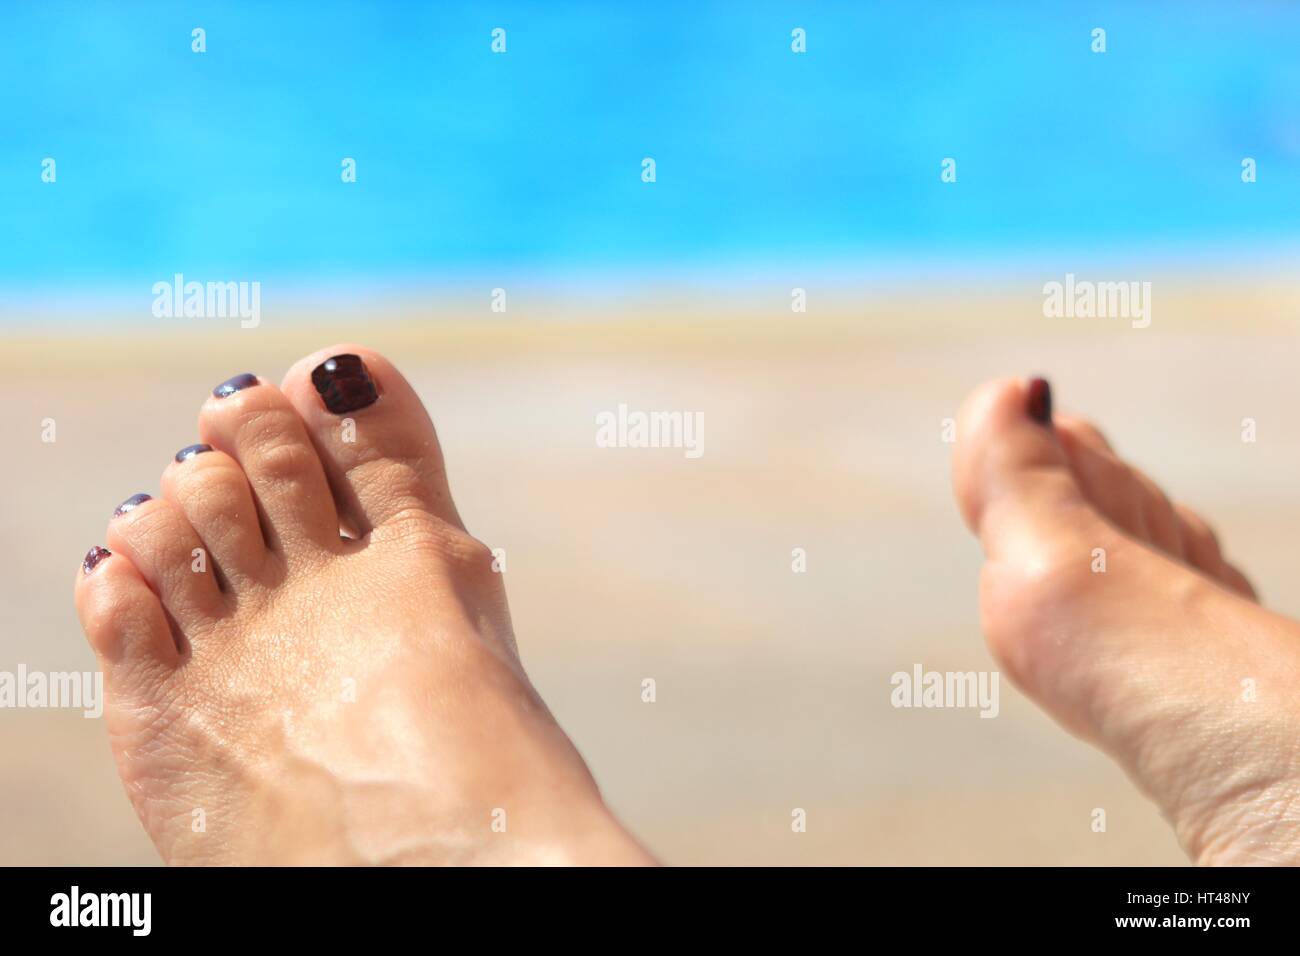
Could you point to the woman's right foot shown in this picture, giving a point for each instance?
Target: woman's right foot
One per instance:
(277, 693)
(1115, 611)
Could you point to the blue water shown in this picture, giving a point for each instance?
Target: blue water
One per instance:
(226, 164)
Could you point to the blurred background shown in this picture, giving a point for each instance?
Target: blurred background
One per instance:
(775, 171)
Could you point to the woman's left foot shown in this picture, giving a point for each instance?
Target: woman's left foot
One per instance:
(279, 693)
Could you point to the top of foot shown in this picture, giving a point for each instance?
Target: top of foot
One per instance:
(279, 692)
(1115, 610)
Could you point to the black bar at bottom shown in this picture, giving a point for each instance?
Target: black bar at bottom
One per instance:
(672, 906)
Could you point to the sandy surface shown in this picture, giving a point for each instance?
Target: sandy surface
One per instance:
(822, 431)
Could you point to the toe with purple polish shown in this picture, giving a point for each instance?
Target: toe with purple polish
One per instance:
(189, 451)
(1039, 401)
(131, 503)
(344, 384)
(93, 557)
(232, 385)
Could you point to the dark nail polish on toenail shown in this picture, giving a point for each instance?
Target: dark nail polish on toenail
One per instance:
(93, 557)
(232, 385)
(131, 504)
(1039, 403)
(344, 384)
(189, 451)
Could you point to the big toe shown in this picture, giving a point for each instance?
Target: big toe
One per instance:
(377, 442)
(1040, 595)
(1012, 478)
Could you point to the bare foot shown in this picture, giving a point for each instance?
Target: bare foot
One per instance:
(1163, 659)
(278, 693)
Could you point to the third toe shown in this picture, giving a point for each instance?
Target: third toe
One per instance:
(212, 490)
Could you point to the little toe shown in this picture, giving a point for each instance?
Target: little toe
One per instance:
(123, 618)
(1201, 546)
(1235, 579)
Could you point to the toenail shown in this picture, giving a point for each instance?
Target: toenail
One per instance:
(93, 557)
(131, 503)
(232, 385)
(1039, 403)
(344, 384)
(189, 451)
